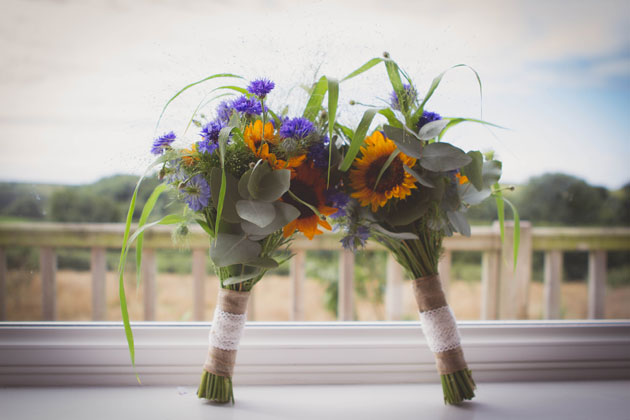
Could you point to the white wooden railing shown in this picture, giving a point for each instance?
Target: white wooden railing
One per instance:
(504, 291)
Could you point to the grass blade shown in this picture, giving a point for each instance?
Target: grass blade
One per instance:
(185, 88)
(517, 230)
(358, 138)
(224, 135)
(146, 212)
(498, 197)
(333, 100)
(388, 162)
(454, 121)
(365, 67)
(317, 97)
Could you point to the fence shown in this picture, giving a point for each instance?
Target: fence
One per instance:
(504, 290)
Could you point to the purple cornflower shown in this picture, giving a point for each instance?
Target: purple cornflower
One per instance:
(224, 111)
(162, 143)
(318, 153)
(261, 87)
(409, 95)
(338, 200)
(428, 117)
(297, 128)
(196, 192)
(210, 136)
(356, 238)
(247, 105)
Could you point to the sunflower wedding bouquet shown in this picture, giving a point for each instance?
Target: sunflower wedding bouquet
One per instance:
(252, 179)
(408, 189)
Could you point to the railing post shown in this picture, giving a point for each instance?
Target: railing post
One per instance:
(345, 308)
(444, 269)
(393, 290)
(553, 281)
(48, 269)
(98, 267)
(596, 284)
(149, 270)
(3, 284)
(199, 290)
(514, 284)
(297, 277)
(490, 268)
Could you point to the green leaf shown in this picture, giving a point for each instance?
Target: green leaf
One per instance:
(146, 212)
(185, 88)
(434, 84)
(404, 141)
(268, 185)
(358, 138)
(230, 194)
(314, 103)
(470, 195)
(395, 80)
(205, 227)
(247, 272)
(264, 262)
(386, 165)
(259, 213)
(395, 235)
(459, 222)
(517, 230)
(421, 179)
(391, 118)
(285, 213)
(474, 170)
(368, 65)
(432, 129)
(498, 196)
(454, 121)
(333, 100)
(224, 136)
(228, 249)
(442, 157)
(491, 172)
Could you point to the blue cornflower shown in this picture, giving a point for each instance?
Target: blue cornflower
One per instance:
(196, 193)
(338, 200)
(224, 111)
(318, 153)
(261, 87)
(247, 105)
(207, 146)
(297, 128)
(162, 143)
(210, 136)
(428, 117)
(356, 238)
(408, 97)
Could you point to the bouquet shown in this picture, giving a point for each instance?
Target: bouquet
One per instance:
(409, 189)
(251, 180)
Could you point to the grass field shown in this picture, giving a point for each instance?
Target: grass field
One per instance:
(270, 299)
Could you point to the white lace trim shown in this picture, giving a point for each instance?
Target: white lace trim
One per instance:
(440, 329)
(226, 330)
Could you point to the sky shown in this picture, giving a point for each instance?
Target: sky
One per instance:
(82, 83)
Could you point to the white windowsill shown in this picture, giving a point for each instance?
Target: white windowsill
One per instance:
(45, 354)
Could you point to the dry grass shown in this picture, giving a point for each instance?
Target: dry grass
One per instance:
(270, 299)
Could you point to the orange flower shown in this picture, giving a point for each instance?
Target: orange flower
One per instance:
(462, 178)
(395, 181)
(253, 136)
(308, 184)
(190, 155)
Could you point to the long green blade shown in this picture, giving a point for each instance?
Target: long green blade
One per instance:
(365, 67)
(224, 135)
(317, 97)
(517, 230)
(185, 88)
(388, 162)
(498, 197)
(146, 212)
(454, 121)
(358, 138)
(333, 100)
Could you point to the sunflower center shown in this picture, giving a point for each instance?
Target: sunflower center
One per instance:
(394, 175)
(306, 193)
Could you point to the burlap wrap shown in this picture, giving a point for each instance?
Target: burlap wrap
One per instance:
(430, 295)
(221, 362)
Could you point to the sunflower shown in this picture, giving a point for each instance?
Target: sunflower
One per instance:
(253, 136)
(308, 184)
(395, 181)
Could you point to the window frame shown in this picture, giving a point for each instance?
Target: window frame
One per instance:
(273, 353)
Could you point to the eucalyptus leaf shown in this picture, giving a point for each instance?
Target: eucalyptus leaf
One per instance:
(474, 170)
(274, 185)
(242, 185)
(395, 235)
(421, 179)
(228, 249)
(285, 213)
(470, 195)
(259, 213)
(459, 222)
(248, 273)
(432, 129)
(491, 172)
(263, 262)
(404, 141)
(450, 200)
(442, 157)
(256, 176)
